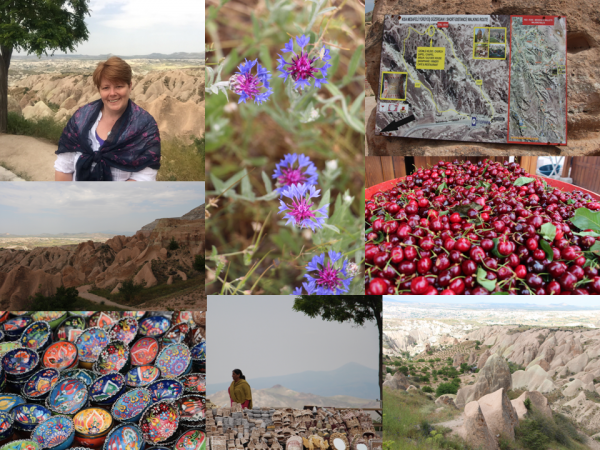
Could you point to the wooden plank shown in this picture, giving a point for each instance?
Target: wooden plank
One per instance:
(568, 161)
(373, 171)
(399, 166)
(387, 168)
(529, 163)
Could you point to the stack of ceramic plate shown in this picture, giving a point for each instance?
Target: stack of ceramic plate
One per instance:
(92, 426)
(19, 365)
(39, 385)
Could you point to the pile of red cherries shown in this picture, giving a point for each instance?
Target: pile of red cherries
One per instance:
(460, 228)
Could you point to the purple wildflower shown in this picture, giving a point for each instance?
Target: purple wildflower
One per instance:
(328, 279)
(248, 85)
(288, 173)
(299, 211)
(302, 68)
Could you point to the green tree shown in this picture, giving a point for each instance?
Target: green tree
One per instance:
(37, 26)
(199, 263)
(446, 388)
(464, 367)
(130, 290)
(359, 309)
(173, 245)
(62, 300)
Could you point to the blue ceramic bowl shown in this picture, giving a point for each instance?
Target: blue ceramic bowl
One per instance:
(21, 444)
(90, 343)
(6, 425)
(9, 401)
(40, 384)
(165, 390)
(37, 336)
(176, 334)
(125, 330)
(130, 405)
(14, 327)
(174, 360)
(125, 436)
(67, 396)
(56, 433)
(107, 388)
(30, 415)
(87, 376)
(19, 364)
(154, 326)
(142, 376)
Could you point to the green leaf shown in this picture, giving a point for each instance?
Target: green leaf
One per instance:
(353, 65)
(443, 213)
(388, 216)
(571, 201)
(547, 249)
(490, 285)
(267, 181)
(332, 228)
(548, 231)
(587, 233)
(246, 190)
(325, 200)
(584, 219)
(380, 239)
(495, 251)
(441, 187)
(595, 249)
(522, 181)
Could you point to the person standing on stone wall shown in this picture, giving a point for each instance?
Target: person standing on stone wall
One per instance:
(240, 391)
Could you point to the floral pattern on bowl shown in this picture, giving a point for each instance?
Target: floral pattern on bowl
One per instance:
(131, 404)
(21, 444)
(199, 351)
(91, 342)
(107, 387)
(192, 408)
(154, 326)
(159, 421)
(14, 327)
(41, 383)
(53, 432)
(36, 335)
(87, 376)
(144, 351)
(9, 401)
(124, 437)
(165, 390)
(68, 396)
(142, 376)
(191, 440)
(20, 361)
(28, 415)
(125, 330)
(176, 334)
(92, 421)
(113, 358)
(174, 360)
(194, 383)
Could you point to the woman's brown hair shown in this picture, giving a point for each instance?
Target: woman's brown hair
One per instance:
(113, 69)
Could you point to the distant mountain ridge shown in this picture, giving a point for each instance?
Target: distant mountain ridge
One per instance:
(511, 306)
(352, 379)
(177, 55)
(194, 214)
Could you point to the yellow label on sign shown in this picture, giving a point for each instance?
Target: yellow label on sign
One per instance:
(417, 85)
(479, 82)
(431, 58)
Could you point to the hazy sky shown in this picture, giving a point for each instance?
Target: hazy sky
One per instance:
(49, 207)
(369, 5)
(139, 27)
(262, 336)
(470, 300)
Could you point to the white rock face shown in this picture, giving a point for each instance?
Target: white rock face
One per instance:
(475, 429)
(38, 111)
(533, 379)
(577, 364)
(572, 388)
(499, 413)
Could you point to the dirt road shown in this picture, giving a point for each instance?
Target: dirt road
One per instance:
(83, 292)
(28, 157)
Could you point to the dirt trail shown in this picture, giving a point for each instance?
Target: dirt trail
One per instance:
(454, 424)
(83, 292)
(28, 156)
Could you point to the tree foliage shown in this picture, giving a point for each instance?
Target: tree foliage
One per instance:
(63, 300)
(130, 290)
(173, 245)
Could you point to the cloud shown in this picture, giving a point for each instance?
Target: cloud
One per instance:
(147, 14)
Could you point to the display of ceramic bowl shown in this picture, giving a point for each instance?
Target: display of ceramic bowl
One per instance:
(154, 326)
(90, 344)
(137, 315)
(68, 396)
(53, 318)
(165, 390)
(6, 425)
(130, 405)
(159, 422)
(56, 433)
(37, 336)
(142, 376)
(107, 388)
(194, 383)
(21, 444)
(92, 426)
(126, 436)
(87, 376)
(69, 329)
(113, 358)
(103, 319)
(174, 360)
(176, 334)
(61, 355)
(29, 415)
(20, 363)
(144, 351)
(9, 401)
(192, 408)
(14, 327)
(191, 440)
(125, 330)
(40, 384)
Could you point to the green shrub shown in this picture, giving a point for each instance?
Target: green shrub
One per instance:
(427, 389)
(456, 381)
(45, 128)
(446, 388)
(514, 367)
(527, 404)
(130, 290)
(173, 245)
(62, 300)
(199, 263)
(464, 367)
(404, 370)
(531, 435)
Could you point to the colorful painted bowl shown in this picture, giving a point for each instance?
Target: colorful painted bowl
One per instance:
(87, 376)
(92, 425)
(137, 315)
(176, 334)
(165, 390)
(107, 388)
(20, 363)
(57, 433)
(125, 330)
(9, 401)
(104, 319)
(14, 327)
(37, 336)
(192, 408)
(69, 329)
(40, 384)
(129, 406)
(154, 326)
(61, 355)
(90, 344)
(191, 440)
(126, 436)
(142, 376)
(30, 415)
(54, 318)
(159, 422)
(21, 444)
(113, 358)
(6, 425)
(198, 351)
(67, 397)
(144, 351)
(194, 383)
(194, 336)
(174, 360)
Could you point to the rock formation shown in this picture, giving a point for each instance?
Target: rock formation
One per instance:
(538, 402)
(446, 400)
(533, 379)
(143, 257)
(475, 429)
(500, 416)
(398, 381)
(493, 376)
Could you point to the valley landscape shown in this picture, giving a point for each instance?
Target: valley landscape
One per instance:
(504, 376)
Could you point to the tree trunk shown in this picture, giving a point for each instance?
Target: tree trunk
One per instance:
(378, 313)
(5, 55)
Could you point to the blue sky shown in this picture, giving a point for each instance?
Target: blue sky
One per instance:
(49, 207)
(369, 5)
(478, 300)
(139, 27)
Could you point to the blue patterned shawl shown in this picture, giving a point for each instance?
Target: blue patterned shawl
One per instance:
(132, 145)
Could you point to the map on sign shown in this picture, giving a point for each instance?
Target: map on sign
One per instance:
(473, 78)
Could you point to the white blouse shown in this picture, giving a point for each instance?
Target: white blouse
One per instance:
(67, 162)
